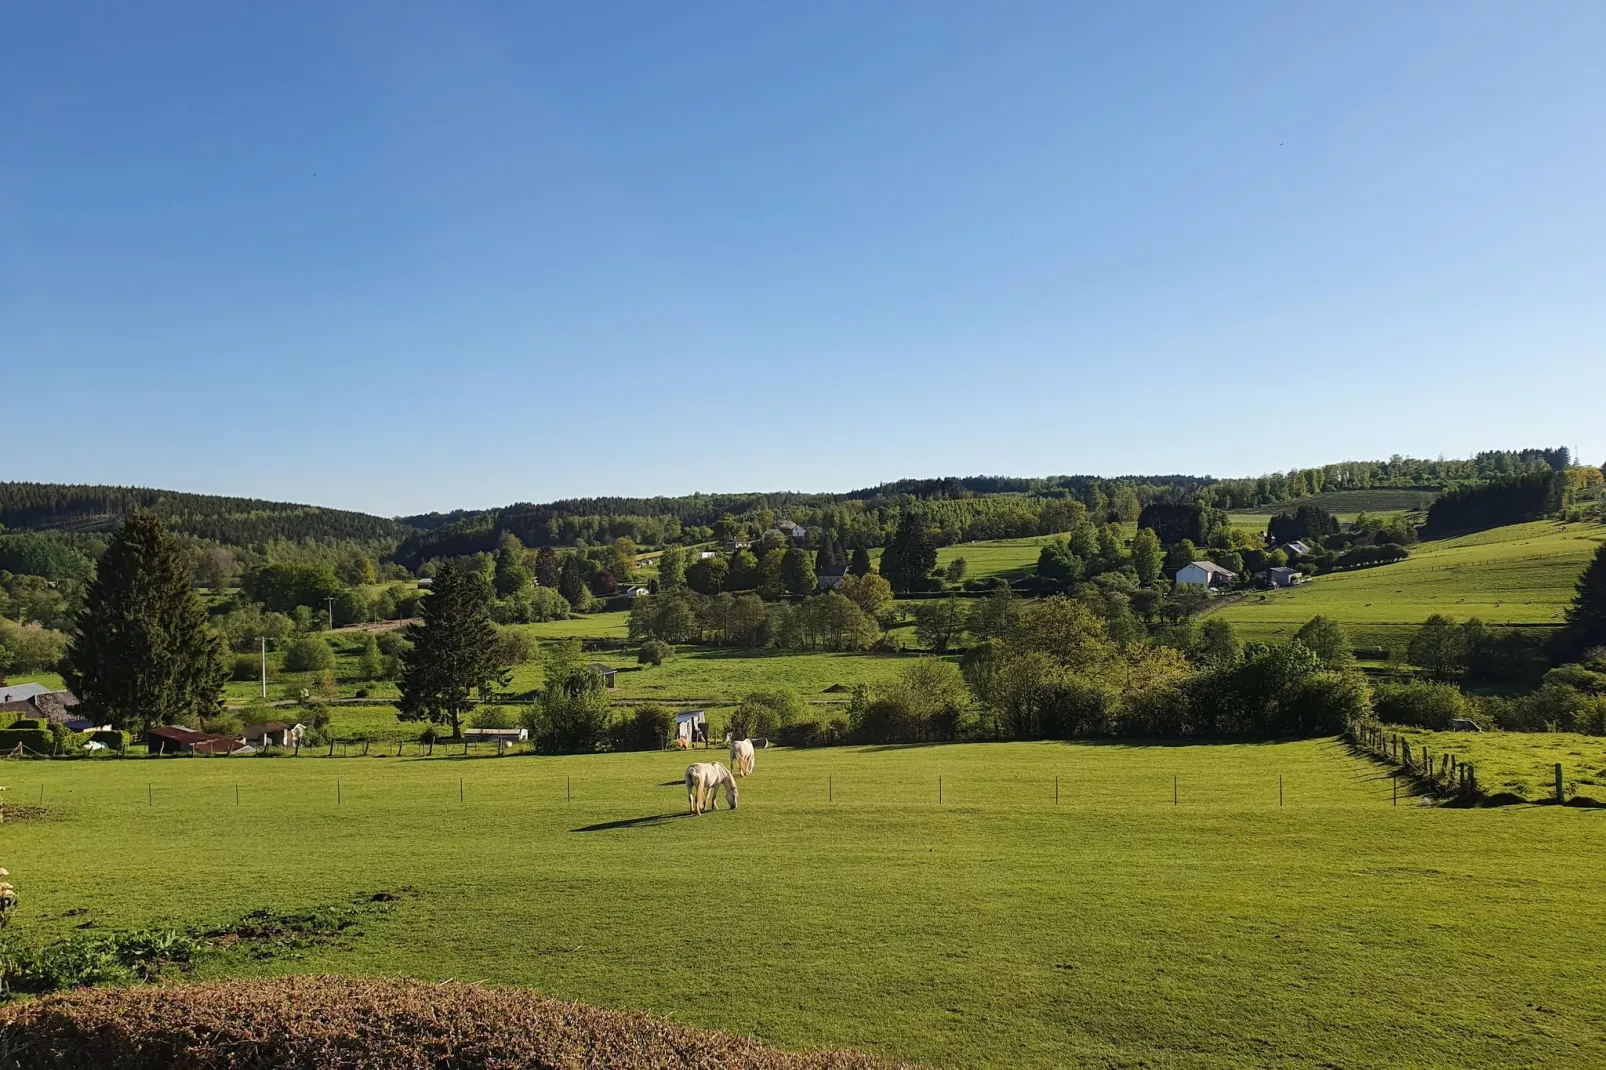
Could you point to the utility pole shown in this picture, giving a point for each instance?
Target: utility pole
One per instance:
(331, 602)
(264, 665)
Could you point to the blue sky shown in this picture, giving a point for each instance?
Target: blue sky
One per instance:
(402, 257)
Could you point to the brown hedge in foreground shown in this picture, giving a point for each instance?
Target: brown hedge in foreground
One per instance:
(337, 1023)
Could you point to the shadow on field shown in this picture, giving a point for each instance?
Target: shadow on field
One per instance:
(631, 822)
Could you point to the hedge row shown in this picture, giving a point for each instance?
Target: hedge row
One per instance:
(314, 1023)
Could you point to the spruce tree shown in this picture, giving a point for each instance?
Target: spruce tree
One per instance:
(144, 653)
(1586, 618)
(453, 658)
(861, 562)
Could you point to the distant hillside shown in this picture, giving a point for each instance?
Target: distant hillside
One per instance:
(244, 522)
(1345, 502)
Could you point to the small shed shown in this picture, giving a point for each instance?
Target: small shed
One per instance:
(176, 739)
(1282, 576)
(274, 733)
(496, 735)
(604, 671)
(691, 726)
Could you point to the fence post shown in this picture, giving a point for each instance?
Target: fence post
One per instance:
(460, 790)
(1056, 791)
(939, 789)
(1173, 789)
(337, 791)
(830, 789)
(1279, 789)
(1560, 795)
(568, 789)
(1396, 789)
(150, 799)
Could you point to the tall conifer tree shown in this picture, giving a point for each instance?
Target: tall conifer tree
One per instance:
(1586, 618)
(144, 653)
(453, 658)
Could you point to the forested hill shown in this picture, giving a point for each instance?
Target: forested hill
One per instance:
(243, 522)
(974, 507)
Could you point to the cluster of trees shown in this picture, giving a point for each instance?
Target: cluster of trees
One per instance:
(1514, 499)
(846, 619)
(1309, 521)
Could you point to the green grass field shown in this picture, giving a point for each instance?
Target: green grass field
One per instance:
(995, 929)
(1518, 575)
(1009, 558)
(1522, 763)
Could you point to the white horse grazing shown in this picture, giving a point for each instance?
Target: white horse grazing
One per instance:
(703, 780)
(742, 757)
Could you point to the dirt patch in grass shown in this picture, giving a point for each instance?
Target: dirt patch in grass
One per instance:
(319, 1022)
(14, 813)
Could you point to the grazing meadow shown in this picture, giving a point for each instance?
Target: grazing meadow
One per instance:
(1522, 763)
(929, 903)
(1521, 576)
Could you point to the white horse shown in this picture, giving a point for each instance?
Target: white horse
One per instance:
(742, 757)
(703, 780)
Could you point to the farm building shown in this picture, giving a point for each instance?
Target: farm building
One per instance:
(691, 727)
(1282, 576)
(496, 735)
(274, 733)
(605, 671)
(830, 577)
(1204, 574)
(37, 701)
(1297, 548)
(793, 530)
(176, 739)
(707, 555)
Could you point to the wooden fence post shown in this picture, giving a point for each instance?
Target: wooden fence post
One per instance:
(1560, 793)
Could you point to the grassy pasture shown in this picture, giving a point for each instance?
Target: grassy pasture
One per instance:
(1518, 575)
(996, 929)
(1010, 558)
(1522, 763)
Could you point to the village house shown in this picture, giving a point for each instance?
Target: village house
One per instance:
(830, 577)
(36, 701)
(794, 531)
(1206, 574)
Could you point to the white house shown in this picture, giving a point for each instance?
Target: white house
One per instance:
(704, 555)
(1204, 574)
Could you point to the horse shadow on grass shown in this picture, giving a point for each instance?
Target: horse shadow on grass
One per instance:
(632, 822)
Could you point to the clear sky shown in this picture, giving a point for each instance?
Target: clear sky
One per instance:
(403, 257)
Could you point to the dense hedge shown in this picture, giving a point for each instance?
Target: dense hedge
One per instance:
(37, 740)
(313, 1023)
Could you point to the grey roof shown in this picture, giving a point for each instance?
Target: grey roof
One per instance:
(603, 669)
(21, 692)
(1211, 566)
(1282, 570)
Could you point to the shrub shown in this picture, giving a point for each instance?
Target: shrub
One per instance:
(653, 652)
(308, 654)
(644, 728)
(111, 737)
(325, 1021)
(33, 739)
(764, 713)
(248, 667)
(492, 717)
(1419, 703)
(814, 734)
